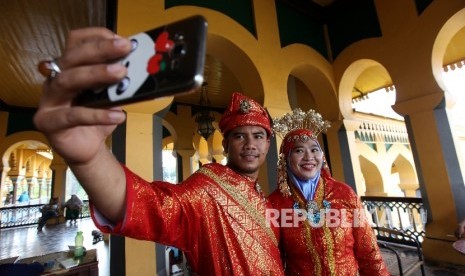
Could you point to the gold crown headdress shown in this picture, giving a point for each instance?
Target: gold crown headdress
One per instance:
(311, 120)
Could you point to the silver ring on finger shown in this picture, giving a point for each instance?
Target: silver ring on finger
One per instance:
(49, 68)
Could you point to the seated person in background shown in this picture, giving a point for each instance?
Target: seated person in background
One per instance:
(49, 211)
(9, 198)
(24, 197)
(460, 231)
(459, 245)
(73, 208)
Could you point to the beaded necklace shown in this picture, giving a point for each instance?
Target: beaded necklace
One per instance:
(314, 205)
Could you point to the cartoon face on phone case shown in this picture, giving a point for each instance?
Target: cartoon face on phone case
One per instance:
(143, 48)
(164, 61)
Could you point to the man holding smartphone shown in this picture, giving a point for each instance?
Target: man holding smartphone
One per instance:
(216, 216)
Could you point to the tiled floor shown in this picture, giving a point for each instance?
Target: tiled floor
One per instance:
(409, 257)
(27, 241)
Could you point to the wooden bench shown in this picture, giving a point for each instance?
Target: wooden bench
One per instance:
(56, 220)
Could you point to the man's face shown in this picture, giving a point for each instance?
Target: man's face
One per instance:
(247, 147)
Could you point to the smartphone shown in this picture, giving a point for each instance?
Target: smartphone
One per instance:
(164, 61)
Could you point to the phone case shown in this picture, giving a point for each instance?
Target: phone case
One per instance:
(165, 61)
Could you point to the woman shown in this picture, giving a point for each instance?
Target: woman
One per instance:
(327, 233)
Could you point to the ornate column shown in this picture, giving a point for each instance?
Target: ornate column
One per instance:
(4, 185)
(217, 151)
(49, 182)
(218, 156)
(439, 174)
(30, 185)
(334, 154)
(42, 184)
(202, 151)
(352, 173)
(58, 183)
(14, 181)
(185, 128)
(143, 156)
(186, 169)
(410, 189)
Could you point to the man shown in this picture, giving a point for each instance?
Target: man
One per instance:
(459, 245)
(49, 211)
(216, 216)
(460, 230)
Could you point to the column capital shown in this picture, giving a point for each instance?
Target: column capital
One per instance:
(419, 104)
(351, 125)
(409, 186)
(57, 167)
(185, 153)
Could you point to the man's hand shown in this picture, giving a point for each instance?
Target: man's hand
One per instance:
(76, 133)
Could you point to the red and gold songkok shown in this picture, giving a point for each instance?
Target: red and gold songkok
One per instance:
(244, 111)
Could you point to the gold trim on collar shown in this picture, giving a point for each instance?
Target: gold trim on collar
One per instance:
(237, 196)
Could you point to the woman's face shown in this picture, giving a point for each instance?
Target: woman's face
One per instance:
(305, 159)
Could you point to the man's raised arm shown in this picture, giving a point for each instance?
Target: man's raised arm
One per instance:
(77, 133)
